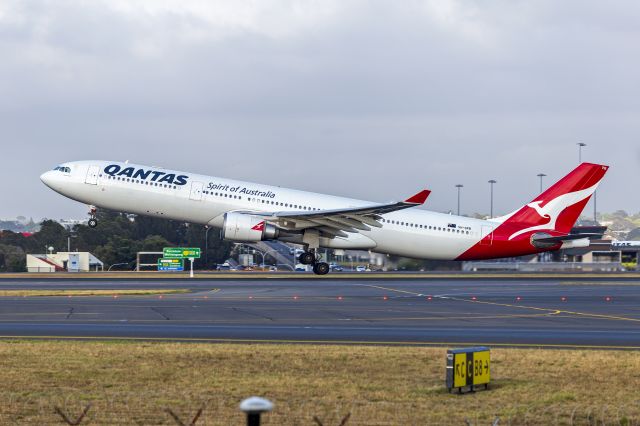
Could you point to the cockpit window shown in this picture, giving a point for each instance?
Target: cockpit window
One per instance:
(63, 169)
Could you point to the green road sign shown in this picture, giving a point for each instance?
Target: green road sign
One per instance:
(170, 264)
(181, 253)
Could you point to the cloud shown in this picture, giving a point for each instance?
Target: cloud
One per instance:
(361, 98)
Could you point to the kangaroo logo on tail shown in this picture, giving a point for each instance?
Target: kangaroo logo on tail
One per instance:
(551, 210)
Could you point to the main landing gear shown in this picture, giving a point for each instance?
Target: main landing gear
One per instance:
(309, 258)
(93, 222)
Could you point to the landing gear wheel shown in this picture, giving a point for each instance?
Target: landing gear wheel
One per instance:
(321, 268)
(307, 258)
(93, 222)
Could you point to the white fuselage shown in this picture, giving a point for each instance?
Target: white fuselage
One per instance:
(205, 200)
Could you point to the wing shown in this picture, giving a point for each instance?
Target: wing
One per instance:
(338, 222)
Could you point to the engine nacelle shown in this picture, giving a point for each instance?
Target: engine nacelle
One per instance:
(247, 228)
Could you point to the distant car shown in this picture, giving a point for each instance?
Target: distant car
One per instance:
(361, 268)
(335, 267)
(273, 268)
(223, 268)
(301, 268)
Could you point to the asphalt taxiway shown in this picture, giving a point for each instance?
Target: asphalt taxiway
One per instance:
(562, 312)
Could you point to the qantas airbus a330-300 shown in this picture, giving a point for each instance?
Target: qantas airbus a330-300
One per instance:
(250, 212)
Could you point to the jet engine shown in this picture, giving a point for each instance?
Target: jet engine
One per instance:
(247, 228)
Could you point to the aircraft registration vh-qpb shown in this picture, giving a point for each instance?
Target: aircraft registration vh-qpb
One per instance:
(250, 212)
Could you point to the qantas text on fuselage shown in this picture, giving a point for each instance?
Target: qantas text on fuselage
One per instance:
(251, 212)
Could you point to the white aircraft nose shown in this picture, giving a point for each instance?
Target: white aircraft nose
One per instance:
(47, 178)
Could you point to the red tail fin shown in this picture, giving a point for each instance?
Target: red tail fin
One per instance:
(557, 208)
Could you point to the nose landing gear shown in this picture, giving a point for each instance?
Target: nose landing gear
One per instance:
(93, 222)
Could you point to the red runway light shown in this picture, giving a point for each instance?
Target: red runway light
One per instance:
(295, 297)
(429, 297)
(608, 299)
(339, 297)
(474, 298)
(115, 296)
(563, 298)
(160, 297)
(385, 298)
(518, 299)
(250, 297)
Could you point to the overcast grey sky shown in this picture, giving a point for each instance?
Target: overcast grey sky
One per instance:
(368, 99)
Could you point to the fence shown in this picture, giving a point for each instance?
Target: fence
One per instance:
(137, 410)
(543, 266)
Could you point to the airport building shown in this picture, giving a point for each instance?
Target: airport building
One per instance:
(601, 255)
(64, 262)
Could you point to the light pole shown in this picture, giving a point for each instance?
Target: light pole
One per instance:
(580, 145)
(595, 196)
(459, 186)
(491, 182)
(541, 175)
(206, 246)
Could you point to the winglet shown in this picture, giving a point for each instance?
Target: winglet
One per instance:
(419, 198)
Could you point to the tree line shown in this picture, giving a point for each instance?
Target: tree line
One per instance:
(116, 240)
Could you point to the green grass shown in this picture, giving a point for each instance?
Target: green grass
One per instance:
(135, 383)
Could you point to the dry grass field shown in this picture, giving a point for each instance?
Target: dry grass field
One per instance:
(136, 382)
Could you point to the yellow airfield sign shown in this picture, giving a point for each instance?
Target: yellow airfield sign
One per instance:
(468, 367)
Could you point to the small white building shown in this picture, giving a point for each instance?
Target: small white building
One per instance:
(64, 261)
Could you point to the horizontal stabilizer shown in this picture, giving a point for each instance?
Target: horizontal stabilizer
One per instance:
(563, 238)
(543, 241)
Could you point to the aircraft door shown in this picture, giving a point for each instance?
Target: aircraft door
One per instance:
(92, 175)
(196, 191)
(484, 232)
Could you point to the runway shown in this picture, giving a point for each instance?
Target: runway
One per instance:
(562, 312)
